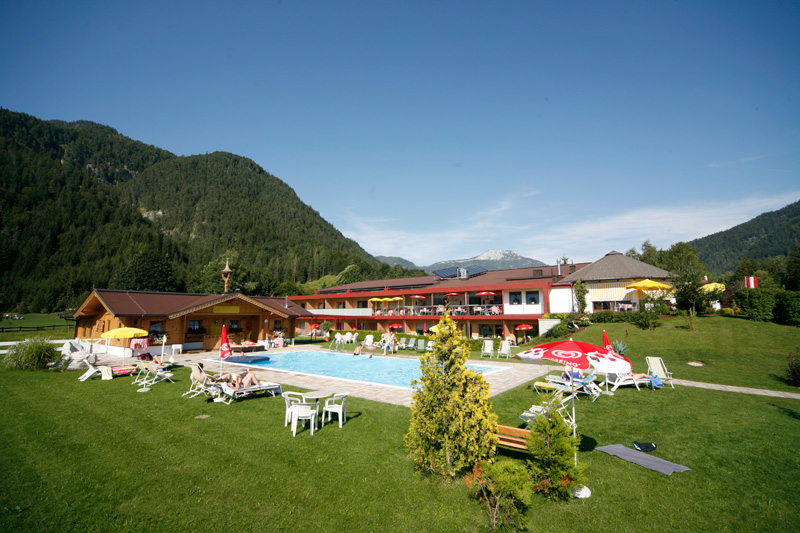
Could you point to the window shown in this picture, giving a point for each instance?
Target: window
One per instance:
(321, 305)
(515, 297)
(155, 327)
(362, 304)
(234, 325)
(537, 273)
(532, 297)
(340, 305)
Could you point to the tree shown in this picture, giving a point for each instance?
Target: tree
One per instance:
(452, 425)
(581, 290)
(351, 274)
(793, 270)
(553, 448)
(147, 271)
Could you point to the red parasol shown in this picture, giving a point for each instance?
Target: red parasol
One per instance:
(453, 294)
(522, 327)
(611, 362)
(395, 326)
(224, 347)
(487, 293)
(314, 326)
(418, 296)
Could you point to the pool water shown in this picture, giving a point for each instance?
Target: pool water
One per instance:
(392, 371)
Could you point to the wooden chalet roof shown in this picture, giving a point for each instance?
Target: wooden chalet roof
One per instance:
(615, 265)
(381, 285)
(172, 305)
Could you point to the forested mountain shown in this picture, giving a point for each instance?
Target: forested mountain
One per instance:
(82, 206)
(771, 234)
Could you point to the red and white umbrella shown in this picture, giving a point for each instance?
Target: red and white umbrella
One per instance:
(418, 296)
(523, 327)
(487, 293)
(610, 362)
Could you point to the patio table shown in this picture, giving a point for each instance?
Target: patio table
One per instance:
(315, 396)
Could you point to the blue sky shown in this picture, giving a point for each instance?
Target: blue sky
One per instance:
(437, 130)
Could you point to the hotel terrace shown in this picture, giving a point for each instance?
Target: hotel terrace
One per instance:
(498, 303)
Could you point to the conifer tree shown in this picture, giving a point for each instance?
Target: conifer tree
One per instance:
(452, 424)
(553, 448)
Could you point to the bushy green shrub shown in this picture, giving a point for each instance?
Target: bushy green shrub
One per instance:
(30, 354)
(553, 448)
(604, 317)
(504, 488)
(619, 346)
(726, 311)
(787, 308)
(559, 330)
(757, 304)
(793, 369)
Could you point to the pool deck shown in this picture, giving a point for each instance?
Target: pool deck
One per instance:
(516, 374)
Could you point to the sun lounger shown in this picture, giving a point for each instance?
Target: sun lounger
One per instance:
(621, 380)
(487, 348)
(655, 367)
(228, 395)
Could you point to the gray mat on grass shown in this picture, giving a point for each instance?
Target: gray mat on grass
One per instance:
(642, 459)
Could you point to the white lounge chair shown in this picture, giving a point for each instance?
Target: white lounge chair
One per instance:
(559, 402)
(369, 340)
(420, 345)
(228, 394)
(655, 367)
(487, 348)
(156, 374)
(403, 343)
(585, 385)
(336, 405)
(429, 346)
(200, 384)
(621, 380)
(505, 350)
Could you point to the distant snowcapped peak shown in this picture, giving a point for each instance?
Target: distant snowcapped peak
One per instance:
(495, 255)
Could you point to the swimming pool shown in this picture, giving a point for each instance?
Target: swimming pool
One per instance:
(391, 371)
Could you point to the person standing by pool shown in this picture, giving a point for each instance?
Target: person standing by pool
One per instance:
(389, 342)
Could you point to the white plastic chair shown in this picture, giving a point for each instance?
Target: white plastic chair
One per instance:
(336, 405)
(304, 411)
(291, 398)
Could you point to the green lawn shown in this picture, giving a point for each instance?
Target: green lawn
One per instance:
(99, 456)
(64, 329)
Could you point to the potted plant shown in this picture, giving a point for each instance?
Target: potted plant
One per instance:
(326, 327)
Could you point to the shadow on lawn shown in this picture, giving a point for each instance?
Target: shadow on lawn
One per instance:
(788, 412)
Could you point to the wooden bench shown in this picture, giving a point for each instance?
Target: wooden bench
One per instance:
(512, 437)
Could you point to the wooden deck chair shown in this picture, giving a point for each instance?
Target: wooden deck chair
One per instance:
(487, 348)
(655, 367)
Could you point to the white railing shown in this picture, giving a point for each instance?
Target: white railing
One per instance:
(342, 312)
(8, 344)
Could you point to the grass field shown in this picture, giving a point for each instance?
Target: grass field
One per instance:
(99, 456)
(63, 329)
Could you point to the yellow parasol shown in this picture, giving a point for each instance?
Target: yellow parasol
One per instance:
(434, 329)
(648, 285)
(711, 287)
(124, 333)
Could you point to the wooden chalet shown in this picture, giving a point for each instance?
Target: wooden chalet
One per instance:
(192, 320)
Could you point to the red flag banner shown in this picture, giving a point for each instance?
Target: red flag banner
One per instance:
(751, 282)
(224, 346)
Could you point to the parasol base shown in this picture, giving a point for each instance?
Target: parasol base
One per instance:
(582, 492)
(144, 389)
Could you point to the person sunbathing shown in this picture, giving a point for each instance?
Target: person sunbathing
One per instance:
(245, 380)
(213, 377)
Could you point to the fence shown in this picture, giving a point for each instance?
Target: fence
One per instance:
(3, 345)
(33, 328)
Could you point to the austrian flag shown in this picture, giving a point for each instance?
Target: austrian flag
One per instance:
(751, 282)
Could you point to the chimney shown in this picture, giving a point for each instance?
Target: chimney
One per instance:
(558, 262)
